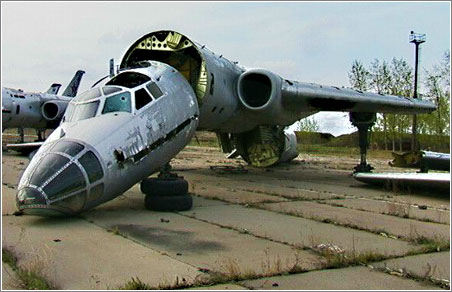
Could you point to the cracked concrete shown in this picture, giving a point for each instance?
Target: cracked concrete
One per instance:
(107, 246)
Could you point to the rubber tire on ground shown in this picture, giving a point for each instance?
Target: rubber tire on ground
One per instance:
(168, 203)
(164, 186)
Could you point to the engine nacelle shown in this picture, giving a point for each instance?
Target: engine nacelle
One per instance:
(53, 110)
(266, 145)
(259, 91)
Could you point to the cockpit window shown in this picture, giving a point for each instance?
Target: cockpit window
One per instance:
(50, 164)
(142, 98)
(110, 89)
(88, 95)
(77, 112)
(68, 147)
(92, 166)
(68, 181)
(154, 90)
(117, 103)
(129, 79)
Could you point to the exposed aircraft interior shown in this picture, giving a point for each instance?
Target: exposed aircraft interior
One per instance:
(175, 50)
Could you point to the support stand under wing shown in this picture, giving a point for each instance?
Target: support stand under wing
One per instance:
(363, 121)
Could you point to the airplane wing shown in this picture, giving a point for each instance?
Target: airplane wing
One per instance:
(423, 180)
(302, 95)
(274, 100)
(25, 148)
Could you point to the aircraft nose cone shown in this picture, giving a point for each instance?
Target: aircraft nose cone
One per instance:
(58, 179)
(31, 201)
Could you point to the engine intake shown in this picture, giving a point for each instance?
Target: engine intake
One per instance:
(259, 89)
(53, 110)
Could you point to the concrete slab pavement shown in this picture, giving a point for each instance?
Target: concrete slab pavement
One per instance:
(396, 209)
(74, 254)
(435, 265)
(200, 244)
(298, 231)
(401, 227)
(355, 278)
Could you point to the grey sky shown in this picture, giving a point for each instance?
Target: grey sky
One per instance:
(46, 42)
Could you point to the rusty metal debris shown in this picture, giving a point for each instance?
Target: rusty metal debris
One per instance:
(228, 169)
(425, 160)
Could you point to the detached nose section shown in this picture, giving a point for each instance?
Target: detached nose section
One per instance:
(59, 179)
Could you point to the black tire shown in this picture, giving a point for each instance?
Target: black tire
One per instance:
(168, 203)
(164, 186)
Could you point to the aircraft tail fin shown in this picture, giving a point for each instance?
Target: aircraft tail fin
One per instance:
(72, 88)
(53, 89)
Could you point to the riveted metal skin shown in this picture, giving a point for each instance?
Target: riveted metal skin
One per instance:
(128, 145)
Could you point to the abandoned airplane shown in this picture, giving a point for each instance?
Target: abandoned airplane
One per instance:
(132, 124)
(37, 110)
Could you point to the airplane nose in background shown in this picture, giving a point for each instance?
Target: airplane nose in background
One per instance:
(58, 181)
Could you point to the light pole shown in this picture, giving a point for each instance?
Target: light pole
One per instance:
(416, 39)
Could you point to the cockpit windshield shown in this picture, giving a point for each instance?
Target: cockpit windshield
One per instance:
(118, 103)
(88, 95)
(129, 79)
(110, 89)
(77, 112)
(113, 97)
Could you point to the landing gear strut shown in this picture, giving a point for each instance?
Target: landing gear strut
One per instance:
(40, 134)
(20, 130)
(363, 121)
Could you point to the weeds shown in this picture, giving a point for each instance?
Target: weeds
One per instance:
(427, 277)
(135, 284)
(429, 244)
(116, 231)
(399, 210)
(30, 274)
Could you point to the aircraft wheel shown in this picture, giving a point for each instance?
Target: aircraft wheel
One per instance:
(168, 203)
(176, 186)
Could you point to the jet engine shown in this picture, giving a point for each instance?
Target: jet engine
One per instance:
(53, 110)
(263, 146)
(260, 91)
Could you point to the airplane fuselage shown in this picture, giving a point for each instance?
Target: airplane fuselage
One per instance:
(21, 109)
(109, 138)
(37, 110)
(132, 124)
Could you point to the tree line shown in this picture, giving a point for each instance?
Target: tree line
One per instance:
(397, 78)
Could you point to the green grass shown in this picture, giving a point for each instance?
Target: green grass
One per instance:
(428, 244)
(135, 284)
(30, 279)
(8, 258)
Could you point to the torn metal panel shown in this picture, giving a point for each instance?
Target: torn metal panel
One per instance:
(425, 160)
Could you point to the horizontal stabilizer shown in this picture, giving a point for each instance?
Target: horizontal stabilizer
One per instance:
(53, 89)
